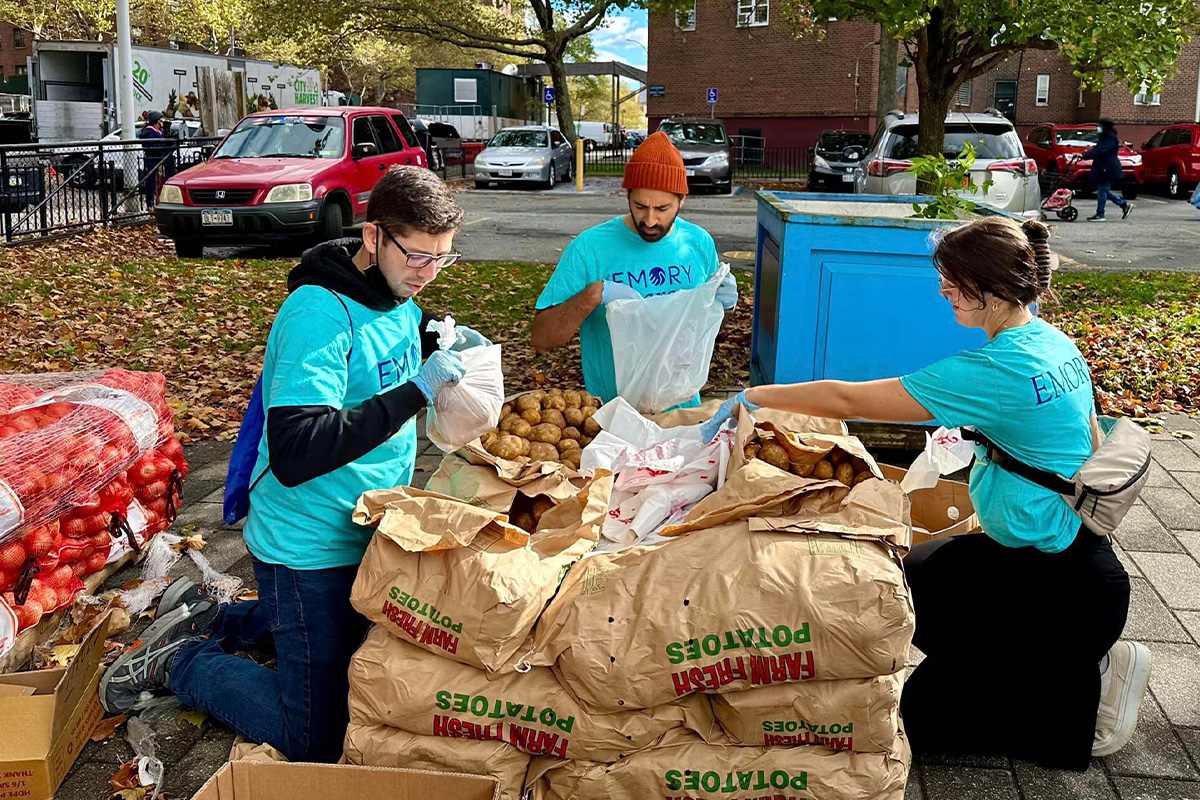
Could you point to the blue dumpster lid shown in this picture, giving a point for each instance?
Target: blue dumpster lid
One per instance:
(892, 211)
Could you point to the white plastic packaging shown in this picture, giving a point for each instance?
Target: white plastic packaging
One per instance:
(663, 346)
(464, 411)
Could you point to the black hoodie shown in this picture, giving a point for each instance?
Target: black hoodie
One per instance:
(305, 442)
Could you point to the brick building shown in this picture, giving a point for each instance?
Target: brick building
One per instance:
(787, 90)
(15, 45)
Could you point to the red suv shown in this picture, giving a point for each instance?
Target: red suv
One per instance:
(1055, 148)
(279, 175)
(1172, 158)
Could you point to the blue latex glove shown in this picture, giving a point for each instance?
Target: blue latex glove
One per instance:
(468, 338)
(709, 429)
(618, 291)
(439, 371)
(727, 293)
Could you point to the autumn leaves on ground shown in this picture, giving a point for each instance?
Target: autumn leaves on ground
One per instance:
(119, 297)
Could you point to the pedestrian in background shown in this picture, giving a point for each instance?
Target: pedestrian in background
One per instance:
(1106, 170)
(156, 151)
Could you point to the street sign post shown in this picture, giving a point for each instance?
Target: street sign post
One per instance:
(712, 102)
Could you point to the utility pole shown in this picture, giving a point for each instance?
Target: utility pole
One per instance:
(886, 91)
(125, 77)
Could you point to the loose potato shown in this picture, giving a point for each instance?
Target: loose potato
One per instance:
(506, 424)
(532, 415)
(539, 394)
(596, 402)
(566, 445)
(505, 410)
(554, 417)
(751, 450)
(844, 473)
(555, 401)
(550, 434)
(525, 445)
(489, 437)
(862, 477)
(591, 427)
(540, 451)
(837, 457)
(823, 470)
(506, 446)
(775, 455)
(584, 441)
(571, 432)
(585, 399)
(541, 504)
(520, 428)
(589, 411)
(524, 520)
(573, 417)
(572, 398)
(527, 402)
(555, 392)
(571, 458)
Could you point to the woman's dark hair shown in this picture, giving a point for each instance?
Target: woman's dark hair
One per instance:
(995, 255)
(1108, 126)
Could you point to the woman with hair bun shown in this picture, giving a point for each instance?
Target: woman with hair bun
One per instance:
(1020, 625)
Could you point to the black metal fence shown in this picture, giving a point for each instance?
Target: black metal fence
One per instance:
(453, 168)
(749, 161)
(52, 189)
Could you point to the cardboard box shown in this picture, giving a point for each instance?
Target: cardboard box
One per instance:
(248, 780)
(943, 510)
(46, 717)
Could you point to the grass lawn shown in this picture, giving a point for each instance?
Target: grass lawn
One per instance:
(120, 297)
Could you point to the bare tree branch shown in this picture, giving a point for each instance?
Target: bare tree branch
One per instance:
(470, 41)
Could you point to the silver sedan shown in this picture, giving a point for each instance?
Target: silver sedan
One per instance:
(531, 153)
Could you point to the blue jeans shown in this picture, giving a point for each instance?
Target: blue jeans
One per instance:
(1103, 193)
(300, 706)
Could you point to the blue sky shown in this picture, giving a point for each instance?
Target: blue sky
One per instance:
(613, 39)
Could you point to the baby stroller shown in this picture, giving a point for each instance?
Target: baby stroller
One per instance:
(1060, 202)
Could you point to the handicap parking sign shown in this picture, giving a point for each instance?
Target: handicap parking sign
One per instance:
(712, 97)
(548, 94)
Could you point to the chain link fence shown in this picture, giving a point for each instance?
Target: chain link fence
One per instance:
(51, 190)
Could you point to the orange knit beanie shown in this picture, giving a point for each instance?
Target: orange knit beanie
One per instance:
(656, 164)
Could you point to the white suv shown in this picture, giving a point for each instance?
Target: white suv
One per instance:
(999, 157)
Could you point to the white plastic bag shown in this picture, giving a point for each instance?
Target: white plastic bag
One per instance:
(663, 346)
(464, 411)
(945, 453)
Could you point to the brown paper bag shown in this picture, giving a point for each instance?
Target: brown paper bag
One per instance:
(378, 746)
(462, 582)
(723, 610)
(395, 684)
(786, 419)
(860, 715)
(481, 479)
(716, 772)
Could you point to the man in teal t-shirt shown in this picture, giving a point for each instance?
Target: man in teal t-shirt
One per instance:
(647, 252)
(349, 365)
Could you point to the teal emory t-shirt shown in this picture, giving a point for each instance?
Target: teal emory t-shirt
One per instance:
(683, 259)
(1029, 391)
(321, 353)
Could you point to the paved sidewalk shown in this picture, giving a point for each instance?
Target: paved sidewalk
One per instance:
(1159, 544)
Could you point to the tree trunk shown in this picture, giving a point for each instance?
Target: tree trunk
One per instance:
(562, 96)
(935, 89)
(886, 100)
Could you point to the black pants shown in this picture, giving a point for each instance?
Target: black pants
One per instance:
(1013, 639)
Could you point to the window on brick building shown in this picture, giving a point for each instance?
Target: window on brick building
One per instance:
(18, 37)
(753, 13)
(1042, 96)
(1082, 102)
(21, 70)
(685, 18)
(901, 81)
(1144, 98)
(963, 96)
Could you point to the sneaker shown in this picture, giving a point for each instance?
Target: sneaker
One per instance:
(1094, 218)
(144, 666)
(1127, 210)
(181, 591)
(1122, 685)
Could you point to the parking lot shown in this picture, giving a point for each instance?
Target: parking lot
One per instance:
(1160, 234)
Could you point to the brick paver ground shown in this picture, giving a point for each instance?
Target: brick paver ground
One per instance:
(1159, 544)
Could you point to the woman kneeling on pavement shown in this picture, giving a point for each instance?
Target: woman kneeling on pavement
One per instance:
(1020, 626)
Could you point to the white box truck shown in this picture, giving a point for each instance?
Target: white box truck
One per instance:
(73, 88)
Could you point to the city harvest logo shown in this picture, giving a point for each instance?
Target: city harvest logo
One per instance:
(306, 92)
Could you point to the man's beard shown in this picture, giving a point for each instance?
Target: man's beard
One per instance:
(656, 233)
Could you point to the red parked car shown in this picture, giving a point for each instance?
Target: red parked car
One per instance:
(1056, 148)
(1172, 158)
(281, 175)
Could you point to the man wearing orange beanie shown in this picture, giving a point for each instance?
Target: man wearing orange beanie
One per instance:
(647, 252)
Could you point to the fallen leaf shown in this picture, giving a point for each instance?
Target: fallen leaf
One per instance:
(137, 793)
(62, 655)
(246, 596)
(193, 717)
(126, 776)
(194, 542)
(105, 728)
(1183, 434)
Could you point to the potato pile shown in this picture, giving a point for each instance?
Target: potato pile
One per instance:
(553, 425)
(838, 465)
(526, 512)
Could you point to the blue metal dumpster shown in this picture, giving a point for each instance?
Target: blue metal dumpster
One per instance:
(846, 289)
